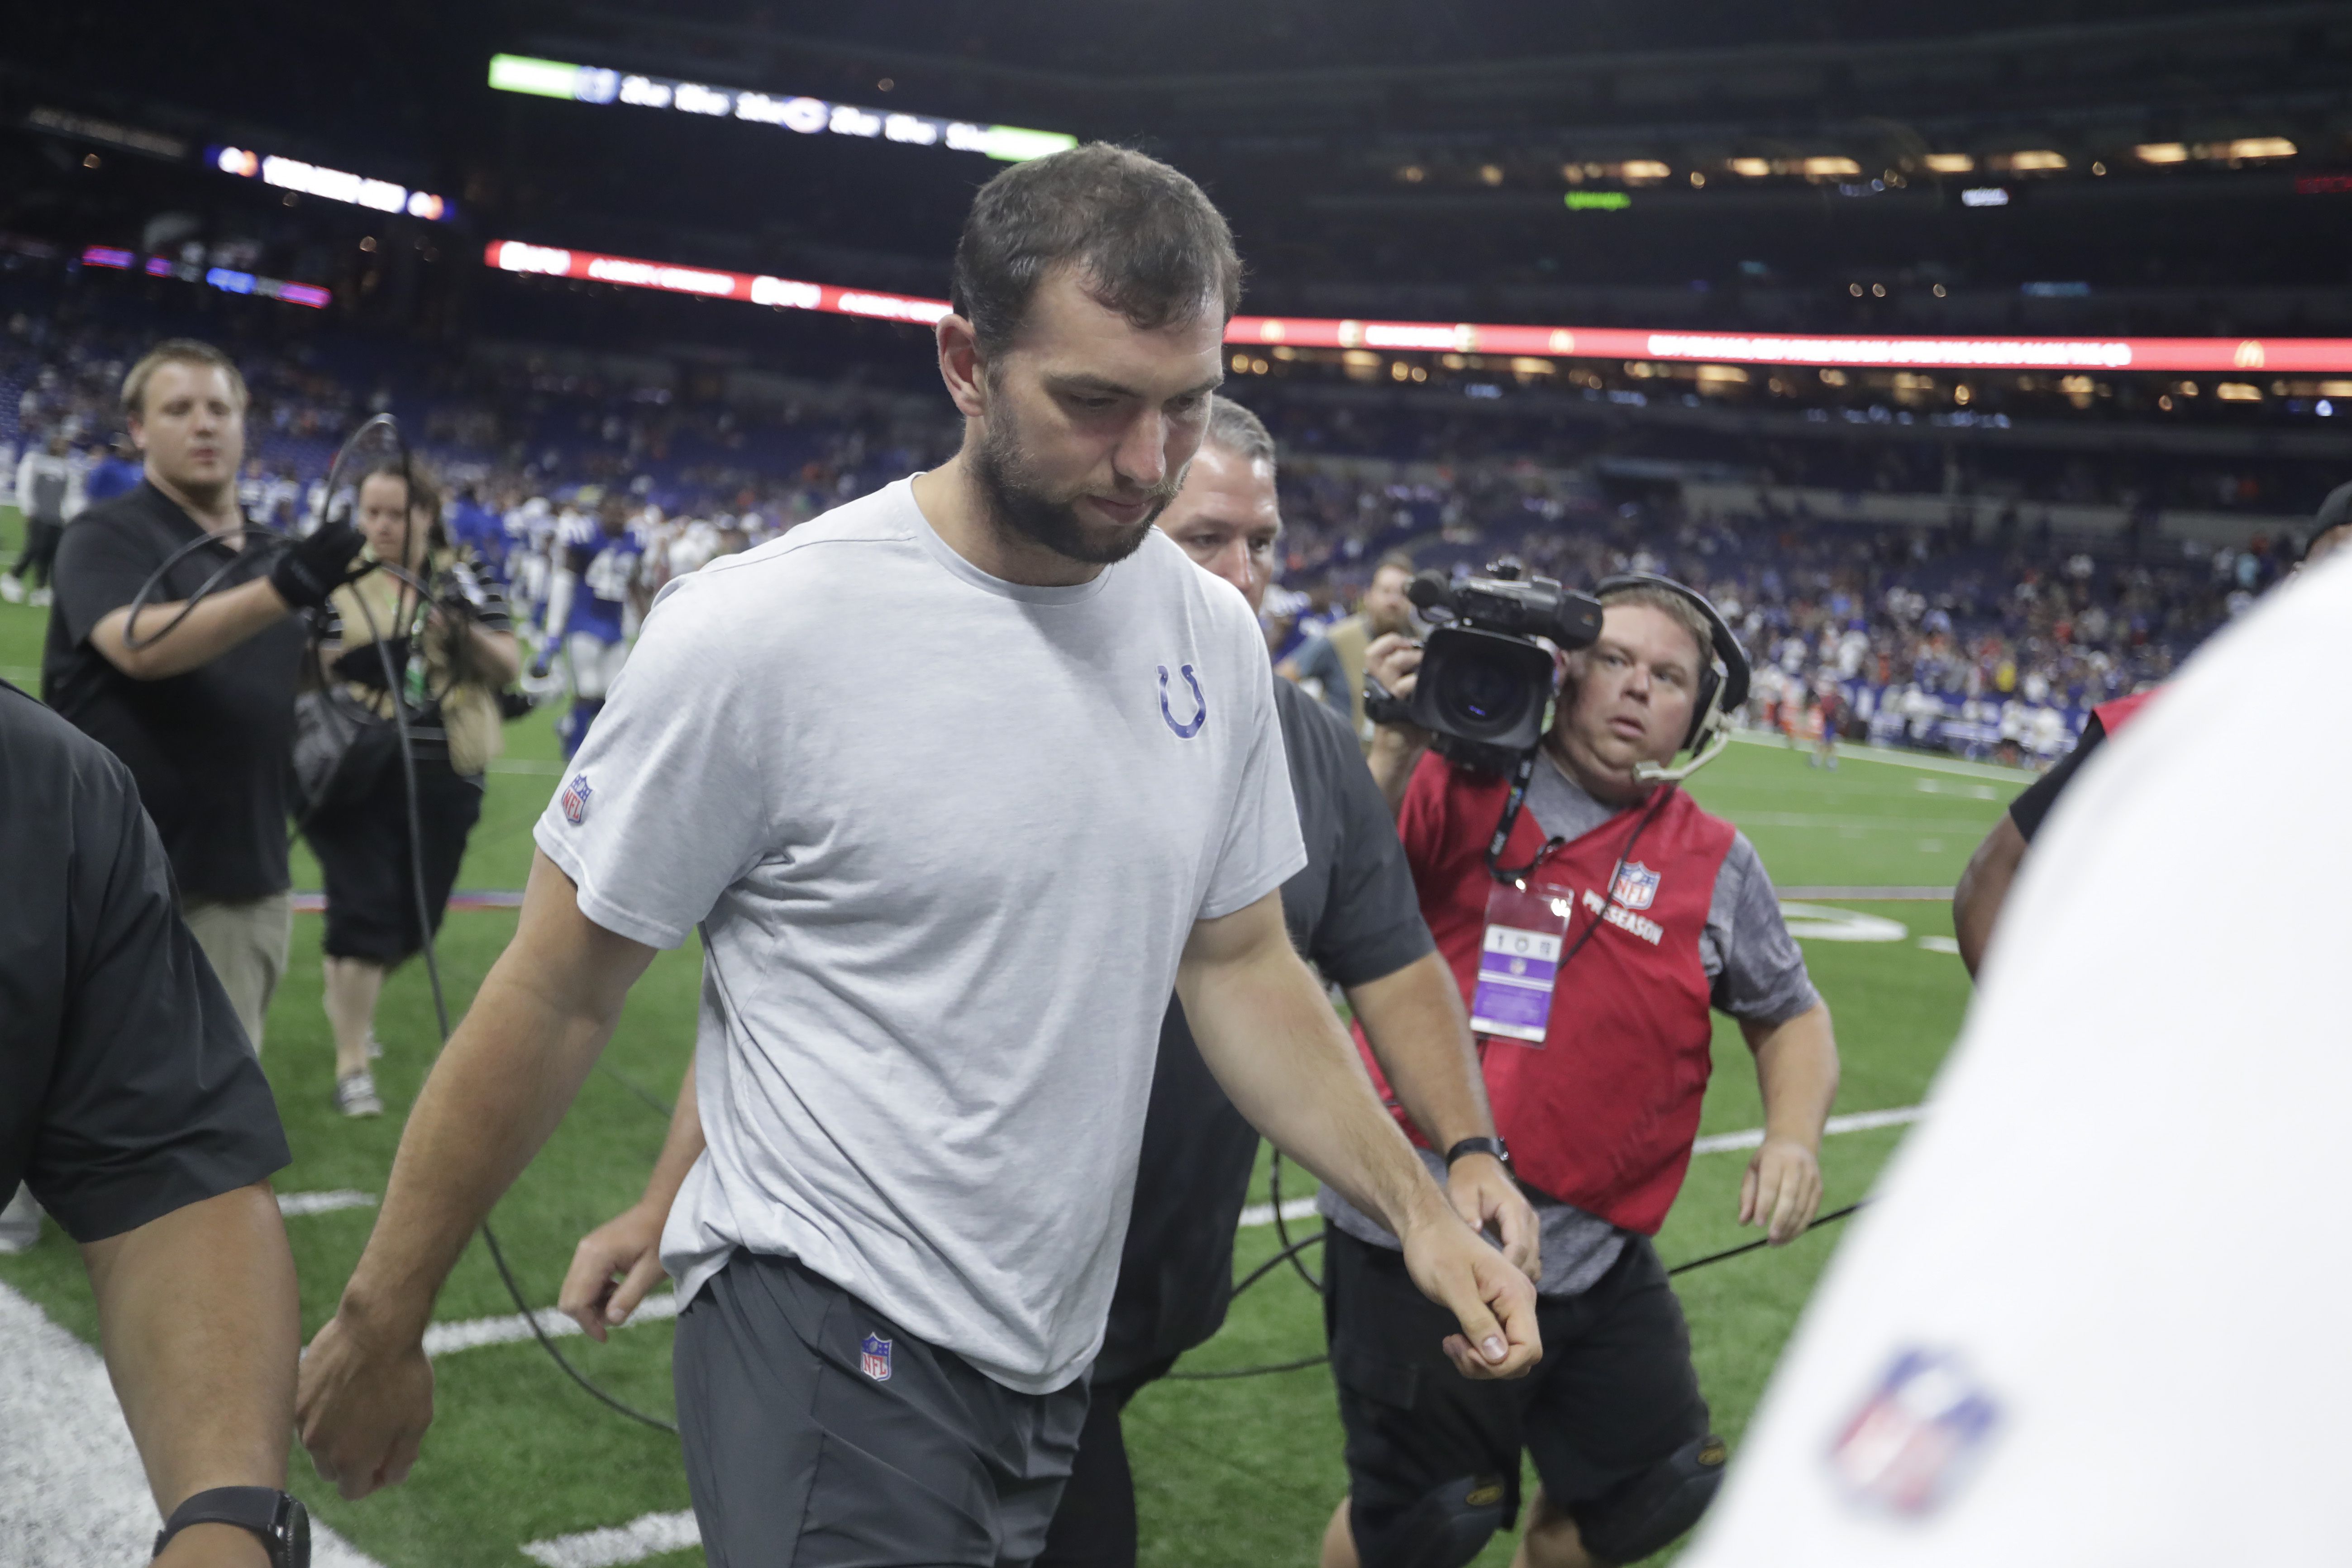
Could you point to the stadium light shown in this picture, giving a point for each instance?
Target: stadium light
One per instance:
(1360, 339)
(1949, 163)
(2161, 152)
(333, 184)
(807, 116)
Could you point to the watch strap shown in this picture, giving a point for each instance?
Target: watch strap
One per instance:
(1494, 1146)
(260, 1510)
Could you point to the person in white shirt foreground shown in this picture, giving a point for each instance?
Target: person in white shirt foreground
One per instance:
(2096, 1313)
(958, 783)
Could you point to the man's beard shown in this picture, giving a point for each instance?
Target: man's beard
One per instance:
(1019, 504)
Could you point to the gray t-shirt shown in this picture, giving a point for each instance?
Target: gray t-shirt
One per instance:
(1754, 974)
(945, 837)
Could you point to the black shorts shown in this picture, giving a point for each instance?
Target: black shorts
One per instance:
(364, 856)
(1614, 1395)
(820, 1435)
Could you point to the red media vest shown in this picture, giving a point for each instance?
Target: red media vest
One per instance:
(1603, 1115)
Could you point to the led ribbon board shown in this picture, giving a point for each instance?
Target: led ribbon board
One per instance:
(333, 184)
(2269, 354)
(808, 116)
(227, 279)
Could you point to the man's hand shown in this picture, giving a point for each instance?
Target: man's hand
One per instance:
(362, 1407)
(313, 567)
(1782, 1190)
(1489, 1202)
(1393, 660)
(1489, 1295)
(613, 1267)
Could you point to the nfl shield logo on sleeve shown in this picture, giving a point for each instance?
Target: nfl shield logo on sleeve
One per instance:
(1915, 1436)
(575, 799)
(874, 1357)
(1636, 887)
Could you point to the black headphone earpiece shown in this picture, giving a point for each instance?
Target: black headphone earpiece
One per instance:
(1720, 690)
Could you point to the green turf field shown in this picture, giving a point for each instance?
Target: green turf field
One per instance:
(1227, 1472)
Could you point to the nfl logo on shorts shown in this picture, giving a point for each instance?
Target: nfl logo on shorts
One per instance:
(874, 1357)
(1636, 887)
(1915, 1436)
(575, 799)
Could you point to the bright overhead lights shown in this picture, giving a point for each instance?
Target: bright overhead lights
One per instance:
(2037, 161)
(1949, 163)
(2261, 147)
(1637, 170)
(1752, 168)
(597, 85)
(1828, 168)
(2161, 152)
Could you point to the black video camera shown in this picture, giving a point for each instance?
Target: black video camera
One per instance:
(1483, 680)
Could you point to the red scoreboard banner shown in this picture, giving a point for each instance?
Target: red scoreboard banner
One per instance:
(2210, 355)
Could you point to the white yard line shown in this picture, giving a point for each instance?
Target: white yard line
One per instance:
(1902, 759)
(295, 1205)
(1861, 1121)
(1263, 1213)
(649, 1535)
(72, 1494)
(472, 1333)
(1868, 895)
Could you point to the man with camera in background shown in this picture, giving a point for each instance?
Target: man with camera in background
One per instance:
(1334, 659)
(200, 705)
(1593, 915)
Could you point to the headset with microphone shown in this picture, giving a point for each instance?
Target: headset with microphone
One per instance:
(1723, 679)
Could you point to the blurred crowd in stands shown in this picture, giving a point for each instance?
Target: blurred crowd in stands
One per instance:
(1991, 637)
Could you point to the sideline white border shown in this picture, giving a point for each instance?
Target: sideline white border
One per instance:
(2021, 778)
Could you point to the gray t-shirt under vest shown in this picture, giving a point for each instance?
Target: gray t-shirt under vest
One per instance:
(945, 837)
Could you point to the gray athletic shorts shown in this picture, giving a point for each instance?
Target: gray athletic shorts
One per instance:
(820, 1435)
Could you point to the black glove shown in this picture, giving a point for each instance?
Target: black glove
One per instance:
(316, 566)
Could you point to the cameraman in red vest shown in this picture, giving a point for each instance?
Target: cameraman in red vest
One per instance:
(1594, 917)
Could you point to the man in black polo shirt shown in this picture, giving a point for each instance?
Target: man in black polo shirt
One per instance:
(202, 712)
(130, 1107)
(1353, 910)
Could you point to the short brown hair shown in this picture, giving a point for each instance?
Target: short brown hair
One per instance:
(1675, 608)
(177, 350)
(1238, 431)
(1395, 559)
(1144, 241)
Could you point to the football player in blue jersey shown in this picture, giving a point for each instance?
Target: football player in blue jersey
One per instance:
(592, 604)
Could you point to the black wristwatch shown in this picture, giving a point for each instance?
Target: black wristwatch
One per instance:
(1494, 1146)
(279, 1517)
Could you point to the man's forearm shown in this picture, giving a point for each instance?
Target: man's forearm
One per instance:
(1421, 1034)
(1797, 1070)
(219, 623)
(1269, 1034)
(203, 1330)
(681, 1148)
(501, 1086)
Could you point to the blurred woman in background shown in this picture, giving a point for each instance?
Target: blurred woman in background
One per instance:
(428, 632)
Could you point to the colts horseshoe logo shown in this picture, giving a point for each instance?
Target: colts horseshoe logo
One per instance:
(1184, 731)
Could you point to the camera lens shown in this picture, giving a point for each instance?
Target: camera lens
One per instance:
(1485, 690)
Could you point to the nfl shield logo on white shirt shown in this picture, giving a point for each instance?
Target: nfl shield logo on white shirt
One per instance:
(1636, 887)
(1915, 1436)
(575, 799)
(874, 1357)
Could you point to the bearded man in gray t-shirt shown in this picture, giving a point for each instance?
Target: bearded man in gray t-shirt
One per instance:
(941, 917)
